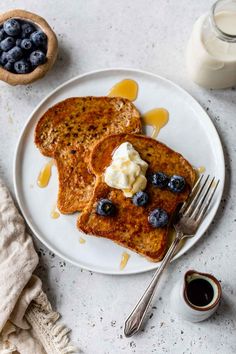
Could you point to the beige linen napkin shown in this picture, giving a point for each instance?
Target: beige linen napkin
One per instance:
(27, 323)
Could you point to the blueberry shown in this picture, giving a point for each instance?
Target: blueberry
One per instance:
(39, 38)
(7, 44)
(18, 42)
(105, 207)
(14, 54)
(37, 57)
(9, 66)
(11, 27)
(158, 218)
(2, 34)
(22, 67)
(3, 58)
(26, 30)
(159, 179)
(140, 198)
(176, 184)
(44, 50)
(26, 44)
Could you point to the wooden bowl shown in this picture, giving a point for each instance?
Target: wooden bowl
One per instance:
(52, 48)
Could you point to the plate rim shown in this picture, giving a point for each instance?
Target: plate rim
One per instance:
(153, 265)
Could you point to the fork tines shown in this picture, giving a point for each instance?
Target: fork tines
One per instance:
(200, 198)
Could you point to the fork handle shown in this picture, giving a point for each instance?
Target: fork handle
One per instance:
(135, 319)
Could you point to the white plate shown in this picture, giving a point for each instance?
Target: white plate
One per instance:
(189, 131)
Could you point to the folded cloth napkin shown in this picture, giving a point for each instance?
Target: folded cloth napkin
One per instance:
(28, 325)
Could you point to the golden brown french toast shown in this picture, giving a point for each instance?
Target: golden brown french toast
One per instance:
(67, 133)
(129, 226)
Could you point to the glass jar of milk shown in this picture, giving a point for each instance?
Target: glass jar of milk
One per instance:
(211, 51)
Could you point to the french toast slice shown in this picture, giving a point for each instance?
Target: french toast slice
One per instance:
(67, 133)
(129, 227)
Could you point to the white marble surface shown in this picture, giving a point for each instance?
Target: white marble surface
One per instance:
(150, 35)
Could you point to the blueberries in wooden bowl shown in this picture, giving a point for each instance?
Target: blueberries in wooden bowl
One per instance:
(28, 47)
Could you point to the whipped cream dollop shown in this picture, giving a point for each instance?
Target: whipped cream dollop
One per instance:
(126, 171)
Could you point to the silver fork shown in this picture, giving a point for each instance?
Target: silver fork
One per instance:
(190, 217)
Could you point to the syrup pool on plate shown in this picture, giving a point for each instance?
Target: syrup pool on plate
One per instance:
(124, 260)
(45, 174)
(54, 213)
(126, 88)
(157, 118)
(201, 169)
(171, 237)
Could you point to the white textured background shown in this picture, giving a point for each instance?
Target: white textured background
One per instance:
(150, 35)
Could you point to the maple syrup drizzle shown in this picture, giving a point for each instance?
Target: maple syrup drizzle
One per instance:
(124, 260)
(45, 174)
(201, 169)
(213, 184)
(126, 88)
(157, 118)
(54, 213)
(171, 237)
(82, 240)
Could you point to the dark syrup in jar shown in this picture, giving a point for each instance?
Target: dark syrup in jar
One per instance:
(199, 292)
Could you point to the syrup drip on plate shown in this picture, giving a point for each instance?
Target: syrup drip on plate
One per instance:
(157, 118)
(126, 88)
(201, 169)
(214, 183)
(45, 174)
(171, 238)
(124, 260)
(54, 213)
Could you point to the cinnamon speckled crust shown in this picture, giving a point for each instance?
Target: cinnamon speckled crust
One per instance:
(130, 227)
(41, 70)
(67, 133)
